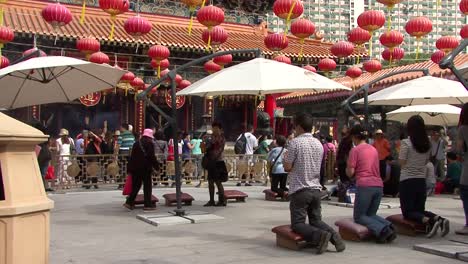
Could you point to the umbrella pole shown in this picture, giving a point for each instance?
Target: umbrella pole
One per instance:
(179, 211)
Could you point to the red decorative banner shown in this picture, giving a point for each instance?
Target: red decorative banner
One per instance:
(180, 100)
(91, 99)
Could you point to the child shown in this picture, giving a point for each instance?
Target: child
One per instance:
(430, 179)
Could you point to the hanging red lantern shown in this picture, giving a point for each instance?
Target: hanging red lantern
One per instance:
(302, 28)
(56, 15)
(326, 65)
(447, 43)
(464, 6)
(223, 60)
(192, 5)
(371, 21)
(396, 54)
(464, 32)
(210, 16)
(137, 26)
(372, 66)
(437, 56)
(358, 36)
(99, 58)
(30, 51)
(389, 3)
(276, 42)
(162, 65)
(215, 36)
(354, 72)
(184, 84)
(4, 62)
(88, 46)
(283, 59)
(158, 53)
(211, 67)
(127, 77)
(114, 8)
(6, 35)
(391, 39)
(138, 84)
(342, 49)
(178, 79)
(310, 68)
(418, 27)
(288, 10)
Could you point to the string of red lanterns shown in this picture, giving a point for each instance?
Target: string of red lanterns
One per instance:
(214, 37)
(158, 53)
(394, 55)
(418, 27)
(88, 46)
(288, 10)
(302, 28)
(114, 8)
(210, 16)
(371, 21)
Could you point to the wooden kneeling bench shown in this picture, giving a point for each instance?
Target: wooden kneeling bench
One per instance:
(406, 227)
(351, 231)
(272, 196)
(286, 238)
(140, 199)
(235, 195)
(171, 199)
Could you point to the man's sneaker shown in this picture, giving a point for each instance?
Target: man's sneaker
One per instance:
(323, 243)
(338, 242)
(444, 226)
(431, 229)
(238, 184)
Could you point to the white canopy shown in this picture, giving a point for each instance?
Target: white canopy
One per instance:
(440, 115)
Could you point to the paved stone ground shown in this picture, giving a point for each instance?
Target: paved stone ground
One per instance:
(93, 227)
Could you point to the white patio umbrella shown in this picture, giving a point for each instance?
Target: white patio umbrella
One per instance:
(438, 115)
(421, 91)
(259, 77)
(53, 79)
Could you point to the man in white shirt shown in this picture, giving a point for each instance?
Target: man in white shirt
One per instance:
(250, 146)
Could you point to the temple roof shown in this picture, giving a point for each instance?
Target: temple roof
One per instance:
(314, 97)
(24, 16)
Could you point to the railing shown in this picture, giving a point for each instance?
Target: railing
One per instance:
(88, 171)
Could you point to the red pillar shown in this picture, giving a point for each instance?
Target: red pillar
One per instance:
(270, 106)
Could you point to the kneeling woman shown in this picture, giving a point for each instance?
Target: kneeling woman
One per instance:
(363, 163)
(414, 155)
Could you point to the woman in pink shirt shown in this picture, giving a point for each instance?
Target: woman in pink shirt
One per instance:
(363, 163)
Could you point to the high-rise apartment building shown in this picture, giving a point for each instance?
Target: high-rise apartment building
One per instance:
(336, 17)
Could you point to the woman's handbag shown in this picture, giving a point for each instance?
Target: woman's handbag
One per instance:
(127, 190)
(205, 162)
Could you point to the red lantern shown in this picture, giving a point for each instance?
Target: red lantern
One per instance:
(464, 6)
(371, 20)
(310, 68)
(215, 36)
(192, 5)
(276, 42)
(4, 62)
(162, 65)
(178, 79)
(158, 53)
(210, 16)
(464, 32)
(137, 26)
(88, 46)
(358, 36)
(302, 29)
(288, 10)
(447, 43)
(372, 66)
(283, 59)
(342, 49)
(396, 54)
(30, 51)
(211, 67)
(99, 58)
(114, 8)
(419, 27)
(437, 56)
(223, 60)
(138, 84)
(391, 39)
(127, 77)
(56, 15)
(389, 3)
(184, 84)
(6, 35)
(354, 72)
(327, 65)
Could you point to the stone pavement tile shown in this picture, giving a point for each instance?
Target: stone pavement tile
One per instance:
(447, 249)
(163, 219)
(203, 218)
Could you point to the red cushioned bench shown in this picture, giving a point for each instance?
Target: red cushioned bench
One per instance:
(272, 196)
(141, 200)
(235, 195)
(287, 238)
(406, 227)
(349, 230)
(171, 198)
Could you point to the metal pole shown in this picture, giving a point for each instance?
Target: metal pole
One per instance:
(366, 108)
(447, 62)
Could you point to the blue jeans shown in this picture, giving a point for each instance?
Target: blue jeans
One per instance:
(366, 205)
(464, 198)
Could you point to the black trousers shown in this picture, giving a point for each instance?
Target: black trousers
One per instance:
(278, 183)
(383, 168)
(342, 172)
(413, 200)
(306, 203)
(137, 179)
